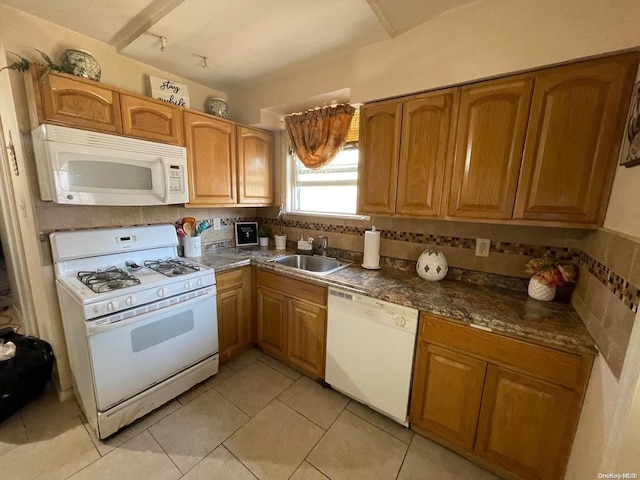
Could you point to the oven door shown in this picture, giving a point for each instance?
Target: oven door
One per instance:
(132, 355)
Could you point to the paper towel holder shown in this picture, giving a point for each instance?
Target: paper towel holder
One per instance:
(372, 267)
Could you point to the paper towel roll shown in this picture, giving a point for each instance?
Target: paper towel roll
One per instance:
(371, 257)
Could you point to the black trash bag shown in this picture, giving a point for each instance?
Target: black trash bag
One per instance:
(23, 377)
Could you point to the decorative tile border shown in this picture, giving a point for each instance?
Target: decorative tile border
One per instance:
(513, 248)
(626, 292)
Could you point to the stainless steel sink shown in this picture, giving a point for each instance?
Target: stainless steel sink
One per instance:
(316, 265)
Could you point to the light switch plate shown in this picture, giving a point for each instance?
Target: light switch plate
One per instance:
(216, 224)
(483, 245)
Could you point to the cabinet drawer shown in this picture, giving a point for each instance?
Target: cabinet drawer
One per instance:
(542, 362)
(292, 287)
(229, 280)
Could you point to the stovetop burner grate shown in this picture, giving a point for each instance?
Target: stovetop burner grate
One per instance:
(171, 267)
(112, 278)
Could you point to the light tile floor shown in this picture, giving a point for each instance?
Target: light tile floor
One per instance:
(256, 419)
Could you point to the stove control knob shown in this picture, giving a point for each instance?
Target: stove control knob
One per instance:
(111, 306)
(161, 292)
(200, 282)
(187, 285)
(129, 301)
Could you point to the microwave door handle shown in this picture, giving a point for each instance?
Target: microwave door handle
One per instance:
(165, 172)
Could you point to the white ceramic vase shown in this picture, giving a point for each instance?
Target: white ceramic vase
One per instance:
(541, 291)
(432, 265)
(263, 241)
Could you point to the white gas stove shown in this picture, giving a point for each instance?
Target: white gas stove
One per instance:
(140, 322)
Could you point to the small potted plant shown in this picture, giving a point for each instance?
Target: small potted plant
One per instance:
(264, 232)
(547, 274)
(24, 64)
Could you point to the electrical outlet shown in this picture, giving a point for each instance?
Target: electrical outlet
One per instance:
(216, 224)
(483, 245)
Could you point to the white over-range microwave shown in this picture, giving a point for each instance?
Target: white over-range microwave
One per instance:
(81, 167)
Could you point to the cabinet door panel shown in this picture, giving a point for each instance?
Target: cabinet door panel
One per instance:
(490, 137)
(211, 147)
(234, 311)
(255, 167)
(230, 327)
(150, 120)
(307, 331)
(573, 141)
(427, 132)
(526, 425)
(378, 163)
(447, 390)
(272, 322)
(69, 102)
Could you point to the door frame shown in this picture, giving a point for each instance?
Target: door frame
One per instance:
(36, 305)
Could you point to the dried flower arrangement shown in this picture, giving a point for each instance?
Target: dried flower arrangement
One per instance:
(550, 272)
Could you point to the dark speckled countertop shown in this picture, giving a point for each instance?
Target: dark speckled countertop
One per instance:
(507, 312)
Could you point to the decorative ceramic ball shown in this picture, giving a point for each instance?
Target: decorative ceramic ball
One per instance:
(432, 265)
(218, 107)
(81, 64)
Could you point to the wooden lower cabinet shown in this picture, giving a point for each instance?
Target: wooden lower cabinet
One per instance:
(292, 321)
(306, 336)
(272, 322)
(525, 424)
(447, 392)
(511, 405)
(234, 312)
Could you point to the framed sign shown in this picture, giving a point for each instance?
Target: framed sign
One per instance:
(169, 91)
(246, 233)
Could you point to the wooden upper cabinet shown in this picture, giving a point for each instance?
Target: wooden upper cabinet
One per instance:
(255, 166)
(151, 120)
(490, 137)
(211, 155)
(378, 164)
(573, 140)
(426, 144)
(66, 101)
(526, 424)
(446, 394)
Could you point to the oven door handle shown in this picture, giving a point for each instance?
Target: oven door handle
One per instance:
(165, 172)
(94, 328)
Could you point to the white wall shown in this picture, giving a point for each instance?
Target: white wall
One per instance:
(486, 38)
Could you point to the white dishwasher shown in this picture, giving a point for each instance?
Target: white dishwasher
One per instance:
(370, 346)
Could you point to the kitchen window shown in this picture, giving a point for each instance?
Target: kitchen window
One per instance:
(333, 189)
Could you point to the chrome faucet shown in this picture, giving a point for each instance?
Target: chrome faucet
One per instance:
(324, 244)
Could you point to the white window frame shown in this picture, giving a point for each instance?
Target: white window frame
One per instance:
(290, 180)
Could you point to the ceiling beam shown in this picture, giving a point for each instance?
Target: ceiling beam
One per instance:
(375, 8)
(143, 21)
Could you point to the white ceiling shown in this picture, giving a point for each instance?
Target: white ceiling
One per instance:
(243, 40)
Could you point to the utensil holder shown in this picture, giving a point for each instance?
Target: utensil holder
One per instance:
(192, 246)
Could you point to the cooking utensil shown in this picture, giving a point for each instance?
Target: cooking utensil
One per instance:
(189, 220)
(181, 232)
(201, 226)
(188, 229)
